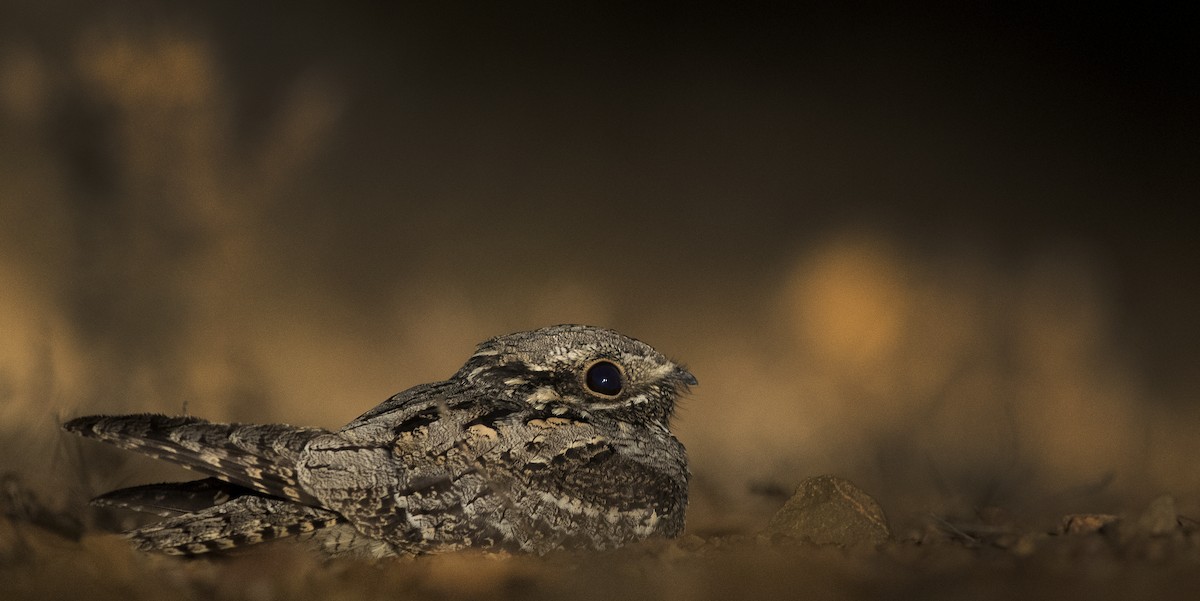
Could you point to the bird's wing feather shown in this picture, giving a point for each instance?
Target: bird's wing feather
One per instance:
(170, 499)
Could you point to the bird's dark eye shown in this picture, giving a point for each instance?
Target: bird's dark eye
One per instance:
(604, 378)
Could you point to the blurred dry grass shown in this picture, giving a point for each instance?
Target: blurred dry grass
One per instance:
(163, 250)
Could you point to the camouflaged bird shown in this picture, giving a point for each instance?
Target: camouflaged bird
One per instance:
(549, 439)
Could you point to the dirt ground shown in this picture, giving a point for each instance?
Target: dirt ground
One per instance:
(1154, 554)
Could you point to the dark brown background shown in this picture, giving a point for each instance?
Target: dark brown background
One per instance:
(946, 252)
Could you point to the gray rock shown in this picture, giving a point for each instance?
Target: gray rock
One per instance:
(831, 510)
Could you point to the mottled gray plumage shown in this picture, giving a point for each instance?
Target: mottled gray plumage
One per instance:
(523, 449)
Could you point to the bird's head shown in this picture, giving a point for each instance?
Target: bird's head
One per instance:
(584, 368)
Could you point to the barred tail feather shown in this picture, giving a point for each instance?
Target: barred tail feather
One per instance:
(238, 523)
(259, 457)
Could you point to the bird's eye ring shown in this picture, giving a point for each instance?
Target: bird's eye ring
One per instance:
(604, 378)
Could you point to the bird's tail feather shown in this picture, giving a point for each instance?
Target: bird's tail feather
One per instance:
(243, 521)
(258, 457)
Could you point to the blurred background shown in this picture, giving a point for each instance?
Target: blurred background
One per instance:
(948, 253)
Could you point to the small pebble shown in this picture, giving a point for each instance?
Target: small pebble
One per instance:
(1160, 517)
(1086, 523)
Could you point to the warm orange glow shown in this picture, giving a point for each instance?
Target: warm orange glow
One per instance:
(213, 249)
